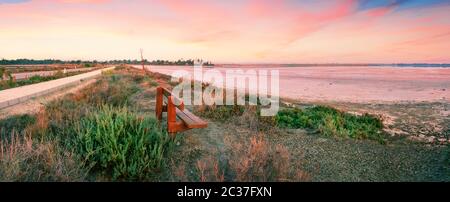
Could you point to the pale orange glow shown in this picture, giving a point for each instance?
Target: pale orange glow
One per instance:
(225, 31)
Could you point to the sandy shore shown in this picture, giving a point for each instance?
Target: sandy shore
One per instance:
(353, 84)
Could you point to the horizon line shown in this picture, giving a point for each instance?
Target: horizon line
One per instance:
(246, 63)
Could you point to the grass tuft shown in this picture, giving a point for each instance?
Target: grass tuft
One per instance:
(332, 122)
(122, 144)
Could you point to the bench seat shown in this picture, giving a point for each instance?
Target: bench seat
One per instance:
(190, 120)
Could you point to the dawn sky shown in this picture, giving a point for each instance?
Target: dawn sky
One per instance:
(228, 31)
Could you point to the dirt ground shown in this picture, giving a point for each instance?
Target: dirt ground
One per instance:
(410, 154)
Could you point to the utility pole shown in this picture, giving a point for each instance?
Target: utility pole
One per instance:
(142, 59)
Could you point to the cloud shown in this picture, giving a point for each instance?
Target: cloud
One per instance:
(232, 30)
(399, 4)
(13, 1)
(83, 1)
(426, 40)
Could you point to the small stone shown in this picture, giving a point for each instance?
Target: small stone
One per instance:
(430, 139)
(178, 143)
(321, 140)
(295, 131)
(422, 136)
(442, 140)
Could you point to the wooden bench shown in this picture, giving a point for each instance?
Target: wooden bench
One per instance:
(175, 108)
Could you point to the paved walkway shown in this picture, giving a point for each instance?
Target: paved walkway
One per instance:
(26, 75)
(17, 95)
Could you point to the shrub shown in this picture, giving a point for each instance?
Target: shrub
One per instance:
(331, 122)
(151, 82)
(115, 90)
(138, 78)
(122, 144)
(15, 123)
(58, 74)
(2, 71)
(121, 67)
(222, 112)
(5, 73)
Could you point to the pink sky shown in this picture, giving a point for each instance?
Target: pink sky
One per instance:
(232, 31)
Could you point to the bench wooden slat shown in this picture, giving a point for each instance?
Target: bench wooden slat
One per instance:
(198, 120)
(176, 100)
(189, 120)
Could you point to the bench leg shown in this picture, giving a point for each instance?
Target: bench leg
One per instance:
(173, 126)
(171, 116)
(159, 103)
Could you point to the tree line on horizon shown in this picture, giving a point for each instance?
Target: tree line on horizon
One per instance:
(190, 62)
(131, 62)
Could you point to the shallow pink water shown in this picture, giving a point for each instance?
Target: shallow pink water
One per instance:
(353, 84)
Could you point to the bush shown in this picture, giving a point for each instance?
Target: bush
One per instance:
(122, 144)
(222, 112)
(58, 74)
(2, 71)
(15, 123)
(5, 73)
(121, 67)
(138, 78)
(331, 122)
(115, 90)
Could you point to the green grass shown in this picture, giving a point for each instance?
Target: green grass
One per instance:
(88, 65)
(122, 144)
(326, 120)
(332, 122)
(16, 122)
